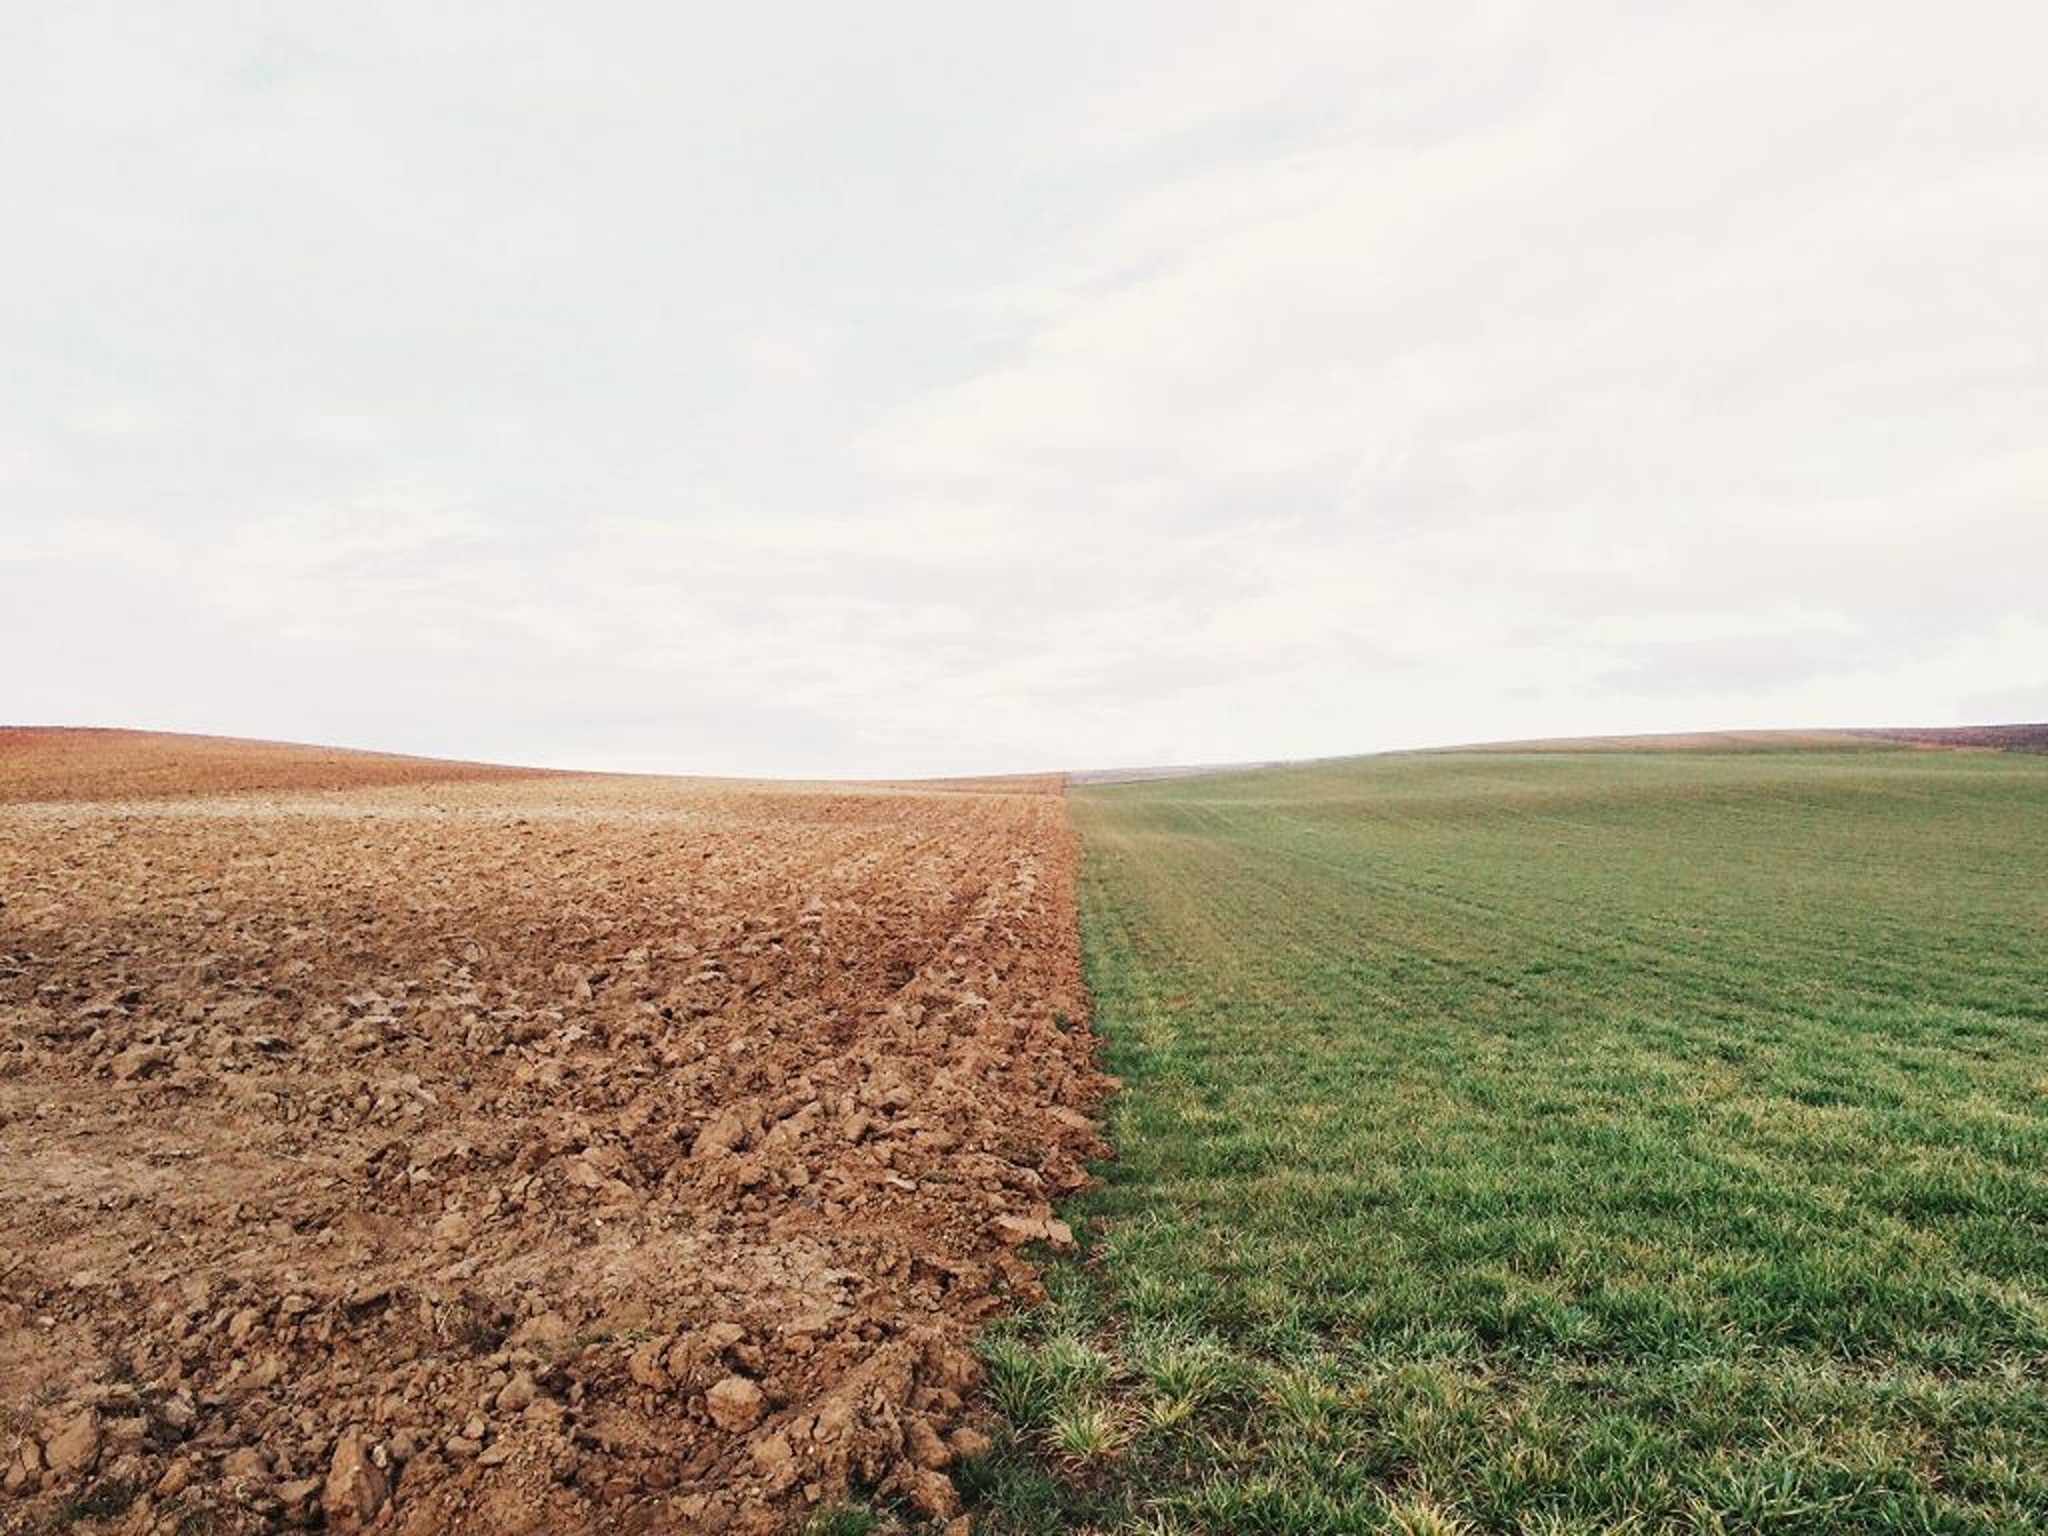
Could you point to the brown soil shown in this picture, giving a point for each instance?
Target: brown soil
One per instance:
(1970, 738)
(56, 763)
(541, 1154)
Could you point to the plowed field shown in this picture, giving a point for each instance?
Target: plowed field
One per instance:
(522, 1153)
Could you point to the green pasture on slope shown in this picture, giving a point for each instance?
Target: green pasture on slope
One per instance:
(1554, 1142)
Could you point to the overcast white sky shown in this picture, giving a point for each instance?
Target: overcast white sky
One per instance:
(922, 388)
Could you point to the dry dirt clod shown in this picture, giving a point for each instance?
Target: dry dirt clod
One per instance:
(176, 1413)
(734, 1403)
(775, 1462)
(140, 1061)
(926, 1448)
(247, 1463)
(24, 1466)
(299, 1496)
(646, 1369)
(931, 1493)
(356, 1488)
(1017, 1230)
(969, 1443)
(75, 1446)
(517, 1394)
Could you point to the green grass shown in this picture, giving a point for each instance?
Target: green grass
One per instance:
(1553, 1143)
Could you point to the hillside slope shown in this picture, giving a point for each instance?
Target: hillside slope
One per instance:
(71, 763)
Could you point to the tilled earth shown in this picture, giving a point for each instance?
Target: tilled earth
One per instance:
(534, 1154)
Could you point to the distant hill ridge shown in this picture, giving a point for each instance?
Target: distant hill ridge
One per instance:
(97, 763)
(84, 763)
(1956, 738)
(1999, 738)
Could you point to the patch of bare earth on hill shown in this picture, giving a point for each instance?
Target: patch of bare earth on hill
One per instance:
(1968, 738)
(542, 1155)
(53, 763)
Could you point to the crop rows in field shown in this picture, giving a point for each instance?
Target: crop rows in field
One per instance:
(1558, 1142)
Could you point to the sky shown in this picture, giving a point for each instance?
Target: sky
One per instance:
(835, 390)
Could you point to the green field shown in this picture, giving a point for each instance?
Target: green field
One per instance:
(1539, 1142)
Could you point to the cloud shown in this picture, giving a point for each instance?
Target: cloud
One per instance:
(972, 391)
